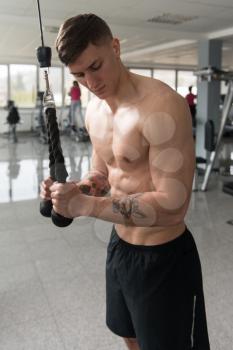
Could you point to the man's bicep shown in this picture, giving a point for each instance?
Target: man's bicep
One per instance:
(98, 164)
(169, 177)
(172, 167)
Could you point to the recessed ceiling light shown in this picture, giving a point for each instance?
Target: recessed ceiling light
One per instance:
(51, 29)
(169, 18)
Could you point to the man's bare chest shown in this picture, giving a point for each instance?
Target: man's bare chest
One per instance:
(119, 140)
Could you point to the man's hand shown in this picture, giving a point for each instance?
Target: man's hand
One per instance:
(70, 199)
(45, 193)
(67, 199)
(94, 184)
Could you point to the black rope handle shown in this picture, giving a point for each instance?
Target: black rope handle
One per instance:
(46, 206)
(57, 167)
(55, 153)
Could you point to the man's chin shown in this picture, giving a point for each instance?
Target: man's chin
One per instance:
(103, 95)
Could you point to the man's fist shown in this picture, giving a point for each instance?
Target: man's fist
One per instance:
(45, 192)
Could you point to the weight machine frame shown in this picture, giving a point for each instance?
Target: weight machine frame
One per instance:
(209, 74)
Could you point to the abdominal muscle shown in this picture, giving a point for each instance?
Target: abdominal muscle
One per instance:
(141, 235)
(149, 235)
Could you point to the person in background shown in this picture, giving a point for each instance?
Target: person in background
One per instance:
(13, 119)
(75, 94)
(190, 97)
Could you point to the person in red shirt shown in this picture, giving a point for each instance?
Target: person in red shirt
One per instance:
(190, 97)
(75, 94)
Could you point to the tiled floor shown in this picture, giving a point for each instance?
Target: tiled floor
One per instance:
(52, 291)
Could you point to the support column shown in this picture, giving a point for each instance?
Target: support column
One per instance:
(208, 99)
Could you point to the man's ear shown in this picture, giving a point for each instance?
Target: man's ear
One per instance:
(116, 47)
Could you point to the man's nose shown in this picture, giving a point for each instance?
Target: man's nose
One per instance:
(92, 82)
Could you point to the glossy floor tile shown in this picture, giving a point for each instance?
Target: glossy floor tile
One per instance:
(52, 289)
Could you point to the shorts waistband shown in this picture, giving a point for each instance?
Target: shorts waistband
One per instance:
(184, 237)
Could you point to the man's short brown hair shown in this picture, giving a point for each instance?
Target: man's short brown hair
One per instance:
(76, 33)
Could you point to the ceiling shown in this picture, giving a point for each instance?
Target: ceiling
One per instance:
(143, 42)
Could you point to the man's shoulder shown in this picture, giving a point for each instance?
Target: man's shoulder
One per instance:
(164, 103)
(159, 91)
(170, 97)
(94, 104)
(162, 97)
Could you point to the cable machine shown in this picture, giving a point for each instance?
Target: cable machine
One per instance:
(209, 74)
(57, 167)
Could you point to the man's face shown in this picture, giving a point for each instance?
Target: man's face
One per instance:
(97, 68)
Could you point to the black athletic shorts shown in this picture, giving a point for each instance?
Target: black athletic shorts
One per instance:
(155, 294)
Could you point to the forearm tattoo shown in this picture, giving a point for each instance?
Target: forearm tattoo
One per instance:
(128, 207)
(95, 185)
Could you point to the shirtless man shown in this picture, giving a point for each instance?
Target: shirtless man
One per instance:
(143, 157)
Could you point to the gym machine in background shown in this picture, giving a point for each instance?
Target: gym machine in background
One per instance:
(209, 74)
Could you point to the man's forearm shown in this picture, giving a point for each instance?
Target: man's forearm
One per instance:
(141, 209)
(94, 184)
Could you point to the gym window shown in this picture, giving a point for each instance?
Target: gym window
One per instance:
(3, 85)
(23, 84)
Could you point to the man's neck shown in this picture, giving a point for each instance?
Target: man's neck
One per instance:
(126, 90)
